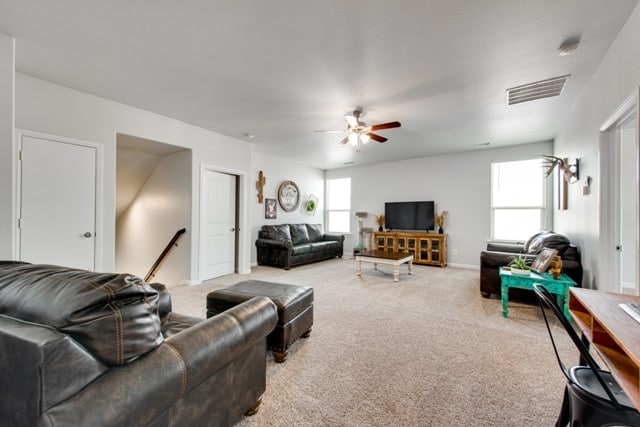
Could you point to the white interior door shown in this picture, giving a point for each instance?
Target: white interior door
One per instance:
(626, 205)
(619, 198)
(218, 229)
(57, 212)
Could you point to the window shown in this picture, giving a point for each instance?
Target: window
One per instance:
(339, 205)
(517, 199)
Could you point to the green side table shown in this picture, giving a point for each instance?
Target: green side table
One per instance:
(559, 287)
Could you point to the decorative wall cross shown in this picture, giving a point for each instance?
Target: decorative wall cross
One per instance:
(260, 185)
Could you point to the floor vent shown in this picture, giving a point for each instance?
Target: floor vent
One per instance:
(538, 90)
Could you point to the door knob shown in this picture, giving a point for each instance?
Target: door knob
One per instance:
(88, 234)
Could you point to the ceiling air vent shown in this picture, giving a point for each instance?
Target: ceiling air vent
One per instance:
(538, 90)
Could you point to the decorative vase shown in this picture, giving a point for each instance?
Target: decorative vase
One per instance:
(380, 228)
(440, 230)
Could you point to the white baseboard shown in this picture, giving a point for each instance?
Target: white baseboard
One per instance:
(191, 282)
(467, 266)
(351, 257)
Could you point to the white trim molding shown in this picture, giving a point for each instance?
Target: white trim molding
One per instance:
(99, 188)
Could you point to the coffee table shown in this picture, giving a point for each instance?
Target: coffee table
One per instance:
(384, 257)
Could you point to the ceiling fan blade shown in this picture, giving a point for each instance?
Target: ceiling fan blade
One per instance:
(345, 140)
(351, 120)
(330, 131)
(376, 137)
(386, 126)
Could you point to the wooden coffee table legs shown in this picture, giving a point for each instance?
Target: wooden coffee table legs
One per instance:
(396, 270)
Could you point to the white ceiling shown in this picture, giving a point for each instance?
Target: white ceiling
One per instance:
(279, 69)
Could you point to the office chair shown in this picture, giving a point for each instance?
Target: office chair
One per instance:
(591, 397)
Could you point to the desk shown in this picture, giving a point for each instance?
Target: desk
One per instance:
(612, 332)
(559, 287)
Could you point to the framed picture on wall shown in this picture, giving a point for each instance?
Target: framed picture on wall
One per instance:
(270, 209)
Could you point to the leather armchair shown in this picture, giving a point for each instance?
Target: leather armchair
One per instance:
(500, 254)
(84, 348)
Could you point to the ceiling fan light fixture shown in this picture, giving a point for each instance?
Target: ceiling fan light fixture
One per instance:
(358, 133)
(353, 138)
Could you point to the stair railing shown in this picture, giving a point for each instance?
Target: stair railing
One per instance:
(165, 252)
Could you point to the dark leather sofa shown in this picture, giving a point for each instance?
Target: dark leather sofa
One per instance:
(288, 245)
(79, 348)
(500, 254)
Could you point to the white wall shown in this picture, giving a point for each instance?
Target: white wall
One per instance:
(616, 78)
(7, 217)
(161, 207)
(45, 107)
(276, 170)
(458, 183)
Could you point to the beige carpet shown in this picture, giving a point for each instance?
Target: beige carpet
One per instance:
(426, 351)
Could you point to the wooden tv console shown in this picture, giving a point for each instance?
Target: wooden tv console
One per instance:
(427, 248)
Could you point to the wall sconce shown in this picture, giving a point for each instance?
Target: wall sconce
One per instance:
(567, 174)
(573, 174)
(570, 172)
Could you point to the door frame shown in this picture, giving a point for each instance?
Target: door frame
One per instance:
(607, 189)
(99, 188)
(242, 227)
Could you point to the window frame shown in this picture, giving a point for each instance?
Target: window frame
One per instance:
(328, 209)
(546, 214)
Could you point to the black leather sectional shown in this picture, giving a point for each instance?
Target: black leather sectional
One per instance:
(288, 245)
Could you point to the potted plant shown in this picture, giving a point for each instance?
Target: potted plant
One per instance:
(519, 266)
(439, 221)
(311, 206)
(380, 221)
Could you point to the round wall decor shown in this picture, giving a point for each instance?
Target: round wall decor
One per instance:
(289, 196)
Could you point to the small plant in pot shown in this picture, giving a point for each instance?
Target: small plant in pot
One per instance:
(311, 206)
(380, 221)
(519, 266)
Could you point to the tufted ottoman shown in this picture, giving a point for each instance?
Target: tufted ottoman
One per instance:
(294, 303)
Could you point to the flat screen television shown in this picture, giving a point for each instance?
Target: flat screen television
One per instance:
(409, 215)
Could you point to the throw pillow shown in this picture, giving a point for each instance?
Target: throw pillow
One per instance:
(299, 234)
(315, 232)
(549, 240)
(276, 232)
(268, 232)
(531, 239)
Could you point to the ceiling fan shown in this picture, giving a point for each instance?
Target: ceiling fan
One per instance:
(358, 132)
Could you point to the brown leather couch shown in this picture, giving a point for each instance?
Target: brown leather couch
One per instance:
(288, 245)
(79, 348)
(500, 254)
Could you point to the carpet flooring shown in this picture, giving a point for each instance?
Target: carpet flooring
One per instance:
(425, 351)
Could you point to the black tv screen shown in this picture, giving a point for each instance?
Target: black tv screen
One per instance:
(409, 215)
